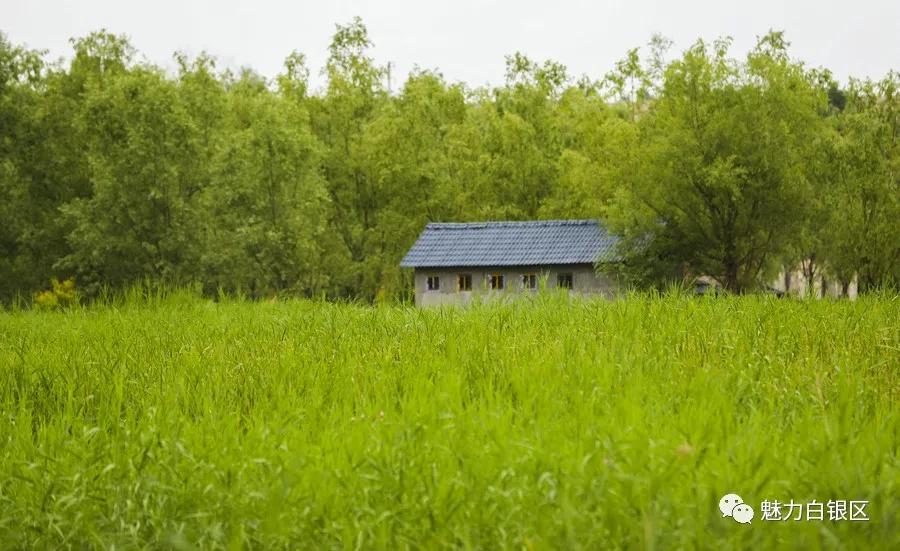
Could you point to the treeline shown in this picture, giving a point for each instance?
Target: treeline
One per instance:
(113, 171)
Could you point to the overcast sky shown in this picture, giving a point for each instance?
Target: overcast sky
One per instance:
(466, 40)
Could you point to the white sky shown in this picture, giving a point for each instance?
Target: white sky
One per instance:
(466, 39)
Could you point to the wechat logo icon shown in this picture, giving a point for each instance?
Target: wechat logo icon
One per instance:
(733, 506)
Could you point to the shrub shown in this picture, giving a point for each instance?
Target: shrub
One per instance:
(60, 294)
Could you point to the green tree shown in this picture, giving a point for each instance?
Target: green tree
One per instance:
(114, 171)
(720, 183)
(404, 149)
(42, 166)
(595, 141)
(268, 207)
(354, 94)
(861, 235)
(19, 75)
(136, 222)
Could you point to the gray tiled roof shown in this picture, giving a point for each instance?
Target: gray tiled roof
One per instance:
(511, 244)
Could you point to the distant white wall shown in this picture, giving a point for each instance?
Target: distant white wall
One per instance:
(795, 282)
(584, 282)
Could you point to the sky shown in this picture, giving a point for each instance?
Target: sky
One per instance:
(465, 40)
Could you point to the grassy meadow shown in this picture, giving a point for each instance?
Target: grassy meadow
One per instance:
(176, 422)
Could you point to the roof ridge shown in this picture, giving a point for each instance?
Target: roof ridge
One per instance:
(509, 223)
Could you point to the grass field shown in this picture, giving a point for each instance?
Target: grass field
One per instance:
(183, 423)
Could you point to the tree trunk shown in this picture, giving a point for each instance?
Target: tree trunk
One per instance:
(809, 273)
(731, 282)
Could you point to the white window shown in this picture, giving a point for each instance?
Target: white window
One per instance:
(529, 281)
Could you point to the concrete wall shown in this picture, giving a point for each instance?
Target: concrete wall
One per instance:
(795, 283)
(584, 282)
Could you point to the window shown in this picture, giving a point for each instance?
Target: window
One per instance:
(464, 282)
(495, 281)
(564, 281)
(529, 281)
(433, 283)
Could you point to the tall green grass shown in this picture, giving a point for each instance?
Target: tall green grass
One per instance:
(170, 421)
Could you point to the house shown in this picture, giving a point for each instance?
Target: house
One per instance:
(797, 282)
(454, 262)
(793, 282)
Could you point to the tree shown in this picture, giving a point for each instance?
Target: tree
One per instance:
(41, 167)
(136, 222)
(404, 149)
(355, 92)
(595, 141)
(114, 171)
(19, 71)
(863, 206)
(719, 185)
(268, 209)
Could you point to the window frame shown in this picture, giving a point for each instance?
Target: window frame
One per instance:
(433, 283)
(529, 281)
(497, 277)
(568, 278)
(463, 278)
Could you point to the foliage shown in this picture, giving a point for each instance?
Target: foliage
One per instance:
(59, 294)
(114, 171)
(166, 420)
(863, 235)
(720, 184)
